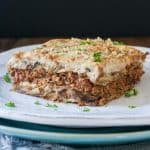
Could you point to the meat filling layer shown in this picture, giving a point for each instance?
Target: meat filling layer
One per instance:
(74, 87)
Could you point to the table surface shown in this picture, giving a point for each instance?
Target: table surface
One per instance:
(8, 43)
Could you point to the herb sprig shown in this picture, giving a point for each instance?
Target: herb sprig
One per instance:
(67, 101)
(97, 56)
(37, 103)
(132, 92)
(131, 106)
(86, 109)
(84, 42)
(118, 43)
(6, 78)
(51, 105)
(10, 104)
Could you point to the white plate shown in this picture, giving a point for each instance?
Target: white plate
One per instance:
(116, 113)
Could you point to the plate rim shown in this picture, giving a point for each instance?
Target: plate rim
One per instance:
(77, 122)
(76, 138)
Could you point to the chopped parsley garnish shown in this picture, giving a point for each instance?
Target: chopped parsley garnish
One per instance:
(118, 43)
(94, 94)
(6, 78)
(132, 92)
(10, 104)
(97, 56)
(51, 105)
(84, 42)
(86, 109)
(131, 106)
(67, 101)
(37, 103)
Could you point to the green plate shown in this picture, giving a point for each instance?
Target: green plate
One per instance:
(87, 136)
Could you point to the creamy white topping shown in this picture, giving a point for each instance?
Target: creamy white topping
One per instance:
(76, 55)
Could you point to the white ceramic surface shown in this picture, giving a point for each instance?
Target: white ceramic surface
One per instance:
(116, 113)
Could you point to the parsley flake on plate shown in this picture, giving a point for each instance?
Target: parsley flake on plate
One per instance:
(86, 109)
(131, 106)
(10, 104)
(6, 78)
(51, 105)
(37, 103)
(132, 92)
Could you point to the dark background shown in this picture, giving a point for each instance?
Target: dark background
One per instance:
(32, 18)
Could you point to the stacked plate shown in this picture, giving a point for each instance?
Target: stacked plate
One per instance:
(115, 123)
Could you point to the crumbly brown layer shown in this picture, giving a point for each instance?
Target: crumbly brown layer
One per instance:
(77, 88)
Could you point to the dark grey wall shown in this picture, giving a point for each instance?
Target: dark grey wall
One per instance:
(74, 18)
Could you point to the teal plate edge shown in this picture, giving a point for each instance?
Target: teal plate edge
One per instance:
(74, 136)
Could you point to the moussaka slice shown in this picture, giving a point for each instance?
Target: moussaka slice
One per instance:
(82, 71)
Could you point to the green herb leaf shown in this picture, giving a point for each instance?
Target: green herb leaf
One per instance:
(94, 94)
(132, 92)
(37, 103)
(10, 104)
(51, 105)
(86, 109)
(131, 106)
(6, 78)
(97, 56)
(118, 43)
(84, 42)
(67, 101)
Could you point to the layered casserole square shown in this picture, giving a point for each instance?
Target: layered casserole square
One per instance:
(82, 71)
